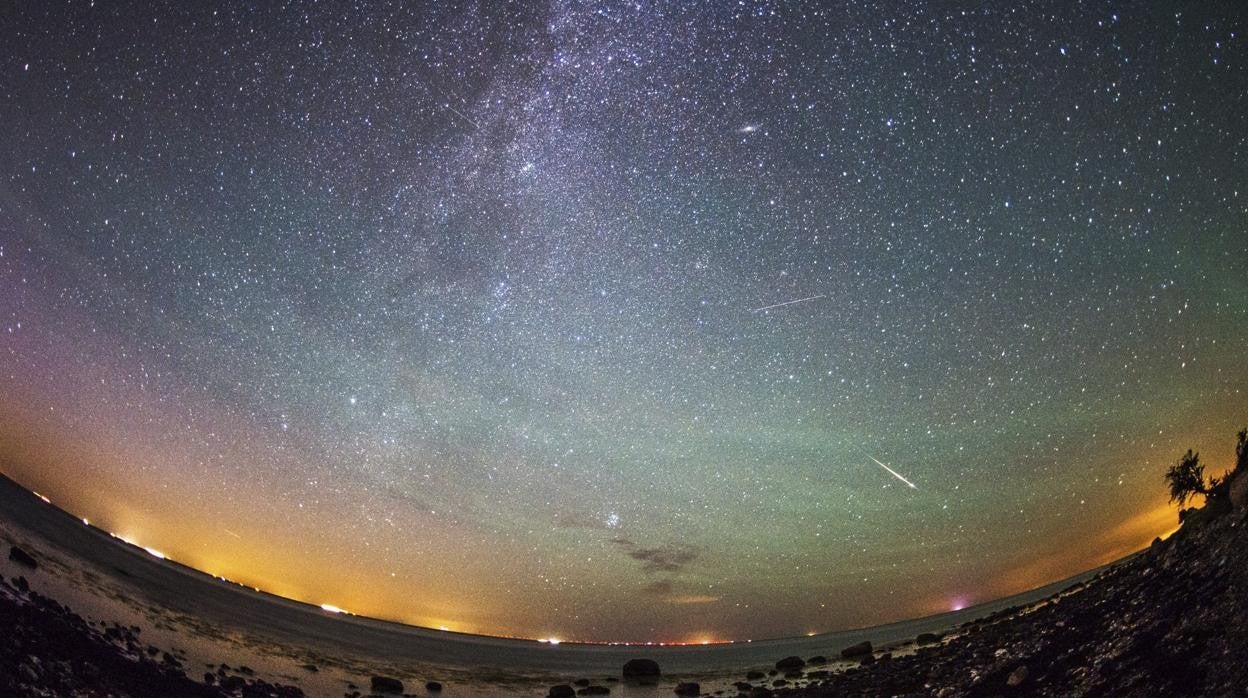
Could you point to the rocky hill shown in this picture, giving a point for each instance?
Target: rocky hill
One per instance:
(1170, 621)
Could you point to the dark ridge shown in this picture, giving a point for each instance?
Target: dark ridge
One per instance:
(1170, 621)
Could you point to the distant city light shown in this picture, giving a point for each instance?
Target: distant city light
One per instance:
(329, 608)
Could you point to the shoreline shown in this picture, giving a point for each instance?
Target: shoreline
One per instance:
(96, 546)
(1164, 618)
(217, 623)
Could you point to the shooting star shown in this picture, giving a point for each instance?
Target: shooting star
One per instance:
(232, 533)
(462, 115)
(894, 473)
(780, 305)
(446, 95)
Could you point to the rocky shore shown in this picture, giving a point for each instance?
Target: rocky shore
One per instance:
(1168, 621)
(48, 650)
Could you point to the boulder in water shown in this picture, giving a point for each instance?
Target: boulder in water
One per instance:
(642, 671)
(790, 663)
(385, 684)
(857, 650)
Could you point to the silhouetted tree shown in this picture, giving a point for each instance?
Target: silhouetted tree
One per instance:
(1241, 452)
(1186, 478)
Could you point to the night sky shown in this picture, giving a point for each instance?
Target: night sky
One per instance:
(601, 321)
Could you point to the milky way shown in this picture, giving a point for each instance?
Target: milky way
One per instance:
(591, 319)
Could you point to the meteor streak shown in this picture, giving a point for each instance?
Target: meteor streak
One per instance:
(778, 305)
(894, 473)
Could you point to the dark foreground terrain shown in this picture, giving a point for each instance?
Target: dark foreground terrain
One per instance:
(1169, 621)
(47, 649)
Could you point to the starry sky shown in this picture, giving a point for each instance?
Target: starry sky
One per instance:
(601, 321)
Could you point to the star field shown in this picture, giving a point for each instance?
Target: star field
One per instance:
(599, 320)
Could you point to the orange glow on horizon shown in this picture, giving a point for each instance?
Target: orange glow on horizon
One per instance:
(275, 566)
(1129, 536)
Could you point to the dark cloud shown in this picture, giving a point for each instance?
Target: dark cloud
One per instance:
(672, 558)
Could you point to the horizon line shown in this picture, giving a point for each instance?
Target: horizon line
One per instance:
(332, 610)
